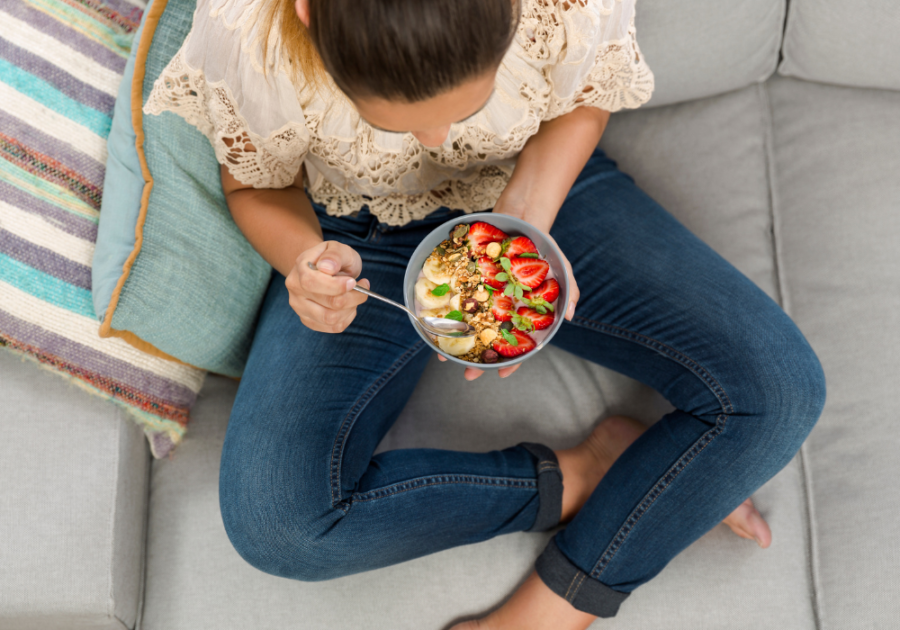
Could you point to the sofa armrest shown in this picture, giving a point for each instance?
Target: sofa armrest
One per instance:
(73, 505)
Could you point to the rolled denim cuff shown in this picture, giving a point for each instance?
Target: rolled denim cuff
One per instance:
(550, 487)
(575, 586)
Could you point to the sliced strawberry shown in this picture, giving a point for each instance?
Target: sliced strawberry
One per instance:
(504, 348)
(529, 271)
(489, 269)
(502, 308)
(540, 321)
(481, 233)
(520, 245)
(548, 289)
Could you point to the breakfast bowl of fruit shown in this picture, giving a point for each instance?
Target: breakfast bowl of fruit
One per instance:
(497, 273)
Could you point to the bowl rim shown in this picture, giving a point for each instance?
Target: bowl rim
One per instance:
(562, 275)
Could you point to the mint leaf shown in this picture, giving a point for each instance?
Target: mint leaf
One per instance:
(502, 277)
(454, 315)
(509, 337)
(504, 262)
(522, 323)
(489, 289)
(509, 290)
(529, 255)
(440, 289)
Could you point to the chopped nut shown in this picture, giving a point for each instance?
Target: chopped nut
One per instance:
(470, 306)
(481, 295)
(490, 356)
(492, 250)
(488, 335)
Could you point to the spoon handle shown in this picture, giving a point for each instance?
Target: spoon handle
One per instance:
(370, 293)
(378, 296)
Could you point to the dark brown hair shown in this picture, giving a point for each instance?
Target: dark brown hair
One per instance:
(408, 50)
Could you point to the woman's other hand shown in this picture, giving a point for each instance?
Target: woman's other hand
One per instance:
(324, 297)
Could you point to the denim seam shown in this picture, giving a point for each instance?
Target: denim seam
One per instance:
(654, 493)
(580, 575)
(698, 370)
(442, 480)
(337, 451)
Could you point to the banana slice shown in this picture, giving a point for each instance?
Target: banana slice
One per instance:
(428, 299)
(455, 304)
(436, 271)
(435, 312)
(457, 346)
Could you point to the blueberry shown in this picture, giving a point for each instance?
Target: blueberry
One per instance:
(506, 326)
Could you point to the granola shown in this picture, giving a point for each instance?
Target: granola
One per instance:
(478, 275)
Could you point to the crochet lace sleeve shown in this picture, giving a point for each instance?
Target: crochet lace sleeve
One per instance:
(252, 119)
(598, 62)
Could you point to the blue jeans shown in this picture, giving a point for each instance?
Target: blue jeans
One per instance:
(303, 497)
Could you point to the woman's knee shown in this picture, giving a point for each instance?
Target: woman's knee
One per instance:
(281, 538)
(278, 522)
(786, 393)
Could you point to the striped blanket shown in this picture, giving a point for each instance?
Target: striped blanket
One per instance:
(61, 63)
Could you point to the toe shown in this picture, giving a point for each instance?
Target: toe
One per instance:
(747, 522)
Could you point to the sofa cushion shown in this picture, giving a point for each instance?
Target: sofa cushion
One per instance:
(846, 43)
(182, 281)
(73, 505)
(838, 197)
(713, 176)
(698, 48)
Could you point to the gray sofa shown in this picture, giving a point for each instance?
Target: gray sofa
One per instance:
(780, 147)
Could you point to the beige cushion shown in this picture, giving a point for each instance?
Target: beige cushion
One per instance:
(698, 48)
(838, 204)
(847, 43)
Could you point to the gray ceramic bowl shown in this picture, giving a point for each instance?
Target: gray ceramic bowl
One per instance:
(514, 227)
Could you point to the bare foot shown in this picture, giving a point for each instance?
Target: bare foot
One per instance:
(585, 465)
(532, 607)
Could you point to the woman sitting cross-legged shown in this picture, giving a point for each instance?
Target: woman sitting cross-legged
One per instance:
(348, 130)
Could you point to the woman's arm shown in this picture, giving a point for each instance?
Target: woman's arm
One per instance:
(279, 223)
(549, 164)
(282, 226)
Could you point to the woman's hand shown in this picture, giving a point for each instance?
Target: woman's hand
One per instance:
(324, 297)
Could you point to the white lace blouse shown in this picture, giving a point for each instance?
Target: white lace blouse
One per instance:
(566, 54)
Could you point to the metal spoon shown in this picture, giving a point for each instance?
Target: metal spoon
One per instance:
(439, 326)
